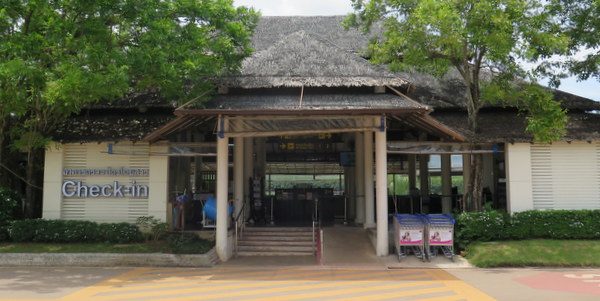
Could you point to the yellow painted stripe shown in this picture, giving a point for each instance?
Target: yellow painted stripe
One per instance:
(459, 286)
(266, 292)
(445, 298)
(164, 282)
(90, 291)
(175, 277)
(343, 291)
(211, 285)
(237, 273)
(404, 293)
(376, 296)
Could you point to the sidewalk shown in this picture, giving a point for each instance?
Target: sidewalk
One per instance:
(348, 247)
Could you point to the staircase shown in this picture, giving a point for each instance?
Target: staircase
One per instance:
(276, 241)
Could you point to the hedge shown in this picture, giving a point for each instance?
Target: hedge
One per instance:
(70, 231)
(9, 210)
(533, 224)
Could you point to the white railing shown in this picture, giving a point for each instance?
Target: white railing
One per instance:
(240, 223)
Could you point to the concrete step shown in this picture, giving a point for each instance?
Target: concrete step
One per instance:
(275, 243)
(281, 249)
(278, 229)
(250, 253)
(248, 237)
(275, 232)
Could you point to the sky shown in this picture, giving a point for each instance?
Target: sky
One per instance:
(589, 88)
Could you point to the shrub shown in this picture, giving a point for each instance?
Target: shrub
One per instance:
(9, 210)
(120, 233)
(188, 243)
(556, 224)
(479, 226)
(532, 224)
(152, 228)
(69, 231)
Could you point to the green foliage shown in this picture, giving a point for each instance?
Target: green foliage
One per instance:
(152, 228)
(536, 252)
(188, 243)
(556, 224)
(580, 20)
(534, 224)
(119, 233)
(9, 210)
(68, 231)
(479, 226)
(58, 56)
(476, 37)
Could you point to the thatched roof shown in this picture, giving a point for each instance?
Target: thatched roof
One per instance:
(507, 125)
(449, 92)
(304, 59)
(122, 125)
(311, 101)
(271, 30)
(317, 52)
(134, 101)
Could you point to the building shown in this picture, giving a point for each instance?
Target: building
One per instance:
(307, 104)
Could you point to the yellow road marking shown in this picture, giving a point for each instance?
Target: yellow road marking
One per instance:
(461, 287)
(284, 285)
(266, 292)
(345, 291)
(90, 291)
(211, 285)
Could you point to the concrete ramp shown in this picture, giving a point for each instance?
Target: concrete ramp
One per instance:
(345, 245)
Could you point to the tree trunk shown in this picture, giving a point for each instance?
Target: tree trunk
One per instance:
(30, 193)
(3, 174)
(476, 182)
(474, 192)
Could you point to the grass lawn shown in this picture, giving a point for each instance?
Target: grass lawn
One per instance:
(147, 247)
(537, 252)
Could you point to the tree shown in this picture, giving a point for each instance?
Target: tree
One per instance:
(484, 41)
(580, 20)
(60, 55)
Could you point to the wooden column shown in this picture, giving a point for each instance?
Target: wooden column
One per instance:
(382, 193)
(359, 178)
(222, 191)
(248, 169)
(368, 175)
(412, 171)
(446, 184)
(238, 174)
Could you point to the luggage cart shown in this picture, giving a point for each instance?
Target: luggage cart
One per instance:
(409, 235)
(440, 235)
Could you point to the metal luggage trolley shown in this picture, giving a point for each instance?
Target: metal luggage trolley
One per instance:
(409, 235)
(440, 235)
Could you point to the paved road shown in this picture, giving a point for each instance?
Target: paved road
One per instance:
(296, 283)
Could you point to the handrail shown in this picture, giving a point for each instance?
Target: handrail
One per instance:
(239, 226)
(317, 233)
(315, 218)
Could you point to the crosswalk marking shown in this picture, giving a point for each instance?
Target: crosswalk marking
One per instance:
(288, 284)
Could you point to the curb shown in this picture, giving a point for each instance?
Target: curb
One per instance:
(209, 259)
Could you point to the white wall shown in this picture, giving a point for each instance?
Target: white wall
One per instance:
(566, 175)
(554, 176)
(120, 208)
(518, 173)
(52, 197)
